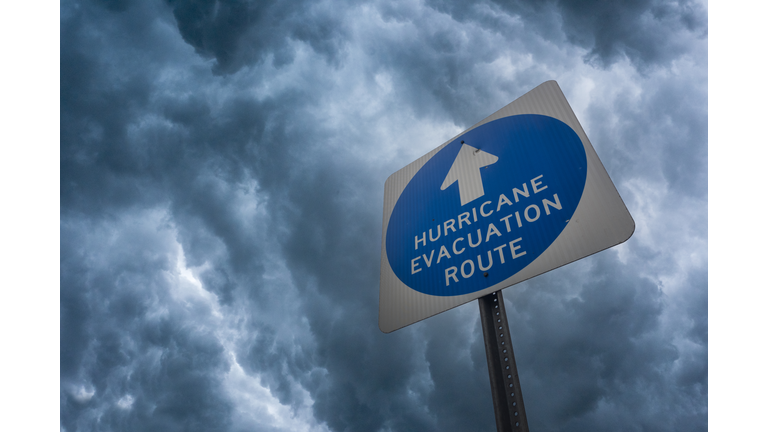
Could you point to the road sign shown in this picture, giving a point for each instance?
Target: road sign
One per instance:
(518, 194)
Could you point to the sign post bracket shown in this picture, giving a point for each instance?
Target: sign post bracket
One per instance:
(502, 368)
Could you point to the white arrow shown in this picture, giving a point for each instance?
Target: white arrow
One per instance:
(466, 170)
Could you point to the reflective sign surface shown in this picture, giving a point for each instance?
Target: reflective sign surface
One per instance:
(442, 242)
(516, 195)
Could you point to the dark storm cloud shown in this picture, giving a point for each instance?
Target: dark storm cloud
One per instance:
(237, 33)
(222, 165)
(646, 31)
(127, 360)
(603, 342)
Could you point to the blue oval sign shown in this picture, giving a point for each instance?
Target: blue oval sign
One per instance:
(486, 205)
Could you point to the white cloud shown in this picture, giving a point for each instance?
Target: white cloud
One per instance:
(257, 409)
(125, 402)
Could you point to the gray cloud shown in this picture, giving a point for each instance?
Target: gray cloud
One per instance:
(130, 357)
(647, 32)
(222, 170)
(237, 33)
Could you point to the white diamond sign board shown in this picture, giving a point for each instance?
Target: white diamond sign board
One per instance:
(516, 195)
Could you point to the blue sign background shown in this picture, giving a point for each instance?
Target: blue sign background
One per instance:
(528, 146)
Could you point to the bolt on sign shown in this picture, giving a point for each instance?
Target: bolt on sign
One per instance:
(516, 195)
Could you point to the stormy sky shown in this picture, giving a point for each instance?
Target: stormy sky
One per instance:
(222, 166)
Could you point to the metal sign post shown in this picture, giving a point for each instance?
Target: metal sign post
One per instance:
(502, 368)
